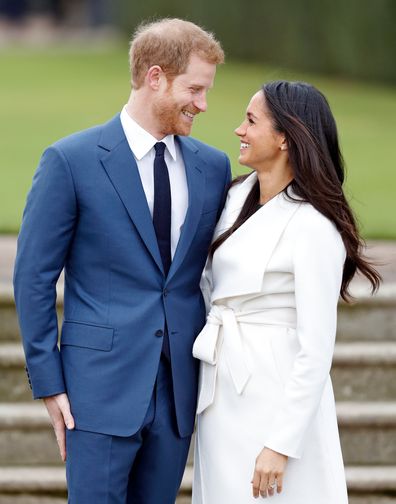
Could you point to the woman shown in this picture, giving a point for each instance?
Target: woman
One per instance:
(285, 247)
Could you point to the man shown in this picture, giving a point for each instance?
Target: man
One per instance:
(128, 209)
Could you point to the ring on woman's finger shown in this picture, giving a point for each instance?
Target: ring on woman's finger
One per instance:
(272, 485)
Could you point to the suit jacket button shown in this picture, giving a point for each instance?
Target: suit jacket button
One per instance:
(165, 292)
(159, 333)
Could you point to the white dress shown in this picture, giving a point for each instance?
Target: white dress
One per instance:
(266, 353)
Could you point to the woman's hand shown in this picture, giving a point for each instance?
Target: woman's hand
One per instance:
(268, 473)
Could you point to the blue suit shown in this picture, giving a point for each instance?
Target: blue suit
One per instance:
(87, 213)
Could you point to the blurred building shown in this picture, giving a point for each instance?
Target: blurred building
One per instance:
(42, 21)
(84, 12)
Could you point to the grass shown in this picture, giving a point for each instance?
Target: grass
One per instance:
(47, 95)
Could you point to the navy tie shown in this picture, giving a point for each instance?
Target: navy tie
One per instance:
(162, 220)
(162, 206)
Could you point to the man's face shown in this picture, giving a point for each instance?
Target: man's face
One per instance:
(184, 97)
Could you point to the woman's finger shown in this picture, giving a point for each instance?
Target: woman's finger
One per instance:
(264, 484)
(279, 483)
(256, 484)
(271, 484)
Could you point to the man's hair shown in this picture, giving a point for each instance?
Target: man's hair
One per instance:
(169, 43)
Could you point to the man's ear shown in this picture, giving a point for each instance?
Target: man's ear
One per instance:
(154, 77)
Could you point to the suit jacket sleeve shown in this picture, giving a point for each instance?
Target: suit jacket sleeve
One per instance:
(318, 259)
(206, 279)
(227, 182)
(43, 243)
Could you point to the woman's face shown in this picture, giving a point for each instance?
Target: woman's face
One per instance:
(261, 145)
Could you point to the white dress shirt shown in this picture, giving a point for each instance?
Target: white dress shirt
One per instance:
(142, 146)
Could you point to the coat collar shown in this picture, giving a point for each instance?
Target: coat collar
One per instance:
(121, 168)
(239, 264)
(235, 199)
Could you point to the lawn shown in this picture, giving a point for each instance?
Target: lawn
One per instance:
(47, 95)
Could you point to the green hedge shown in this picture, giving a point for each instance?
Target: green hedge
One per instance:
(353, 38)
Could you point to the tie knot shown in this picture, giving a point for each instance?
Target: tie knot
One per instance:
(159, 149)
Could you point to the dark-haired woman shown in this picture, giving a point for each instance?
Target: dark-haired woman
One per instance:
(285, 248)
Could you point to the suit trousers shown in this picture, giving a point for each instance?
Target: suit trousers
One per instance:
(146, 468)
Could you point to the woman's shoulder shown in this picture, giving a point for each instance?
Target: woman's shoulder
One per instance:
(233, 189)
(314, 238)
(237, 182)
(313, 223)
(239, 188)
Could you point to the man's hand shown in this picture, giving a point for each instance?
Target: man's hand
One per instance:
(268, 473)
(58, 407)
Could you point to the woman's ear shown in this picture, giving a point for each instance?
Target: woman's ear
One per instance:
(283, 145)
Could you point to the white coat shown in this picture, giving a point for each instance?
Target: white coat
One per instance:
(266, 353)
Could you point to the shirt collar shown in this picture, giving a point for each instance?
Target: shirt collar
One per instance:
(140, 140)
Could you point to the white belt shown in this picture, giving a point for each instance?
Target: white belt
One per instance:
(207, 346)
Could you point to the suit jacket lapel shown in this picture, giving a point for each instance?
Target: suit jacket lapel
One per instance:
(196, 190)
(122, 170)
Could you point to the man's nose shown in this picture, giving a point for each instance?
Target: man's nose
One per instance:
(201, 103)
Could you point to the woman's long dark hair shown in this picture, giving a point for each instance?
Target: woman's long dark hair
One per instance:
(302, 113)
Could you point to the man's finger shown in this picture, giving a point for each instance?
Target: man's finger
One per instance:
(59, 410)
(64, 406)
(59, 428)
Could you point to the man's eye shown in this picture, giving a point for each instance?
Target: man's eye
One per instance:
(250, 120)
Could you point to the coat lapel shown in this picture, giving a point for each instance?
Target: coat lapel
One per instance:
(122, 170)
(196, 191)
(247, 251)
(235, 199)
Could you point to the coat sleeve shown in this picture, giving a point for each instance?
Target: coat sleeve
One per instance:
(206, 285)
(318, 259)
(43, 243)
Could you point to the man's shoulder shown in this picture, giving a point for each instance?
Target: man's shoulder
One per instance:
(84, 138)
(204, 148)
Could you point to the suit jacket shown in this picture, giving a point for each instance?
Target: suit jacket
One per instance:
(87, 213)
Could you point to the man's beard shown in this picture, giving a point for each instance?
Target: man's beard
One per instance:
(170, 119)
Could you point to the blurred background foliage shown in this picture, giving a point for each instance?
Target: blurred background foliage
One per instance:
(355, 38)
(75, 74)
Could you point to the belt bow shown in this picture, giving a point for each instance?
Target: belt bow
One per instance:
(207, 347)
